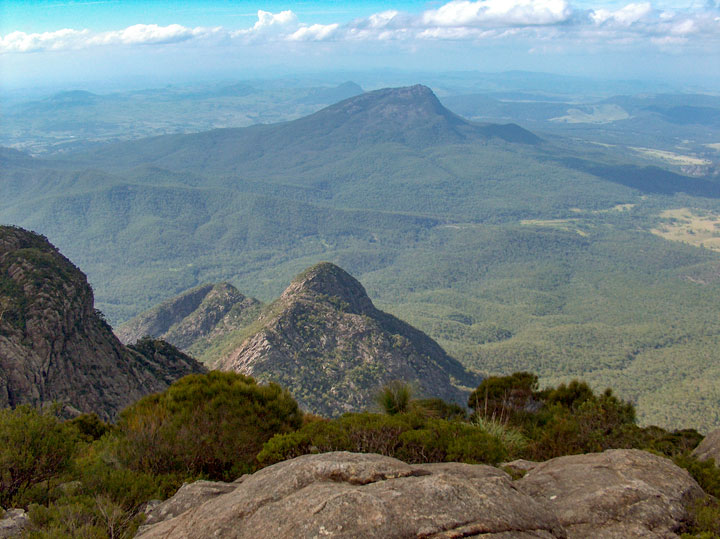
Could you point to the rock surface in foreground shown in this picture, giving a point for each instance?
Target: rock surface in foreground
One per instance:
(622, 493)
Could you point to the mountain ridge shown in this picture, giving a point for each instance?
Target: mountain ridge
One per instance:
(194, 319)
(326, 342)
(411, 116)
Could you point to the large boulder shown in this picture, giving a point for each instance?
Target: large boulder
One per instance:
(621, 493)
(361, 496)
(615, 494)
(188, 496)
(709, 448)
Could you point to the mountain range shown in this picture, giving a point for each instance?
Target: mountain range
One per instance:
(514, 251)
(323, 339)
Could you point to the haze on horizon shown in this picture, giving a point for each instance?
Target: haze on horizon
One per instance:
(60, 43)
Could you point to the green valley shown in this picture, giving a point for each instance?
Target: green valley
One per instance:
(506, 247)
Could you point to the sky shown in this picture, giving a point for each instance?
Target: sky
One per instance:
(56, 42)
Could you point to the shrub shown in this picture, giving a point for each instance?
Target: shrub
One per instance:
(501, 397)
(705, 472)
(438, 408)
(210, 425)
(394, 398)
(410, 437)
(89, 426)
(35, 447)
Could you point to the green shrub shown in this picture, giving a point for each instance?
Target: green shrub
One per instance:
(35, 447)
(501, 397)
(211, 425)
(410, 437)
(90, 426)
(704, 519)
(438, 408)
(705, 472)
(394, 398)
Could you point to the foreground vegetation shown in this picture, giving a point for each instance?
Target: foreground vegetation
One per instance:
(85, 478)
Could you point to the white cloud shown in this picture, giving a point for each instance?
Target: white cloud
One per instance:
(316, 32)
(138, 34)
(460, 13)
(147, 34)
(535, 21)
(625, 16)
(66, 38)
(269, 24)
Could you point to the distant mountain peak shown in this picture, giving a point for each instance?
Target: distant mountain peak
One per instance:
(326, 279)
(402, 103)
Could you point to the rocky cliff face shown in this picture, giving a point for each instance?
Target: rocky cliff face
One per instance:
(54, 346)
(325, 341)
(616, 494)
(194, 319)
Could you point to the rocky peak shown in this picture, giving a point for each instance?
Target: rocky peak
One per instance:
(325, 341)
(416, 101)
(328, 282)
(54, 345)
(190, 320)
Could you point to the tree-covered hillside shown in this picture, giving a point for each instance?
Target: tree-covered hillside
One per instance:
(513, 252)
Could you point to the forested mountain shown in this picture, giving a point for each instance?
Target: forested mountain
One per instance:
(326, 342)
(514, 251)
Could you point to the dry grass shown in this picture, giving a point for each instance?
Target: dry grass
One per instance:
(671, 157)
(688, 226)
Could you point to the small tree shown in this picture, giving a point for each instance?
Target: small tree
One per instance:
(501, 397)
(34, 446)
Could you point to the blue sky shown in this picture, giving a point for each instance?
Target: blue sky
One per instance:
(66, 41)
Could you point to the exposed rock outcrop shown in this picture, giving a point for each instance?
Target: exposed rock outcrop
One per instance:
(188, 496)
(12, 522)
(355, 495)
(325, 341)
(709, 448)
(622, 494)
(192, 320)
(54, 346)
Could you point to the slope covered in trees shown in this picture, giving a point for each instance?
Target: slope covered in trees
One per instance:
(511, 254)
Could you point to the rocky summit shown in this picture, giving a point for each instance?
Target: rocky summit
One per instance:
(55, 347)
(194, 319)
(326, 342)
(615, 494)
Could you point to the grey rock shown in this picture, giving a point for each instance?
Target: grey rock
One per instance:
(621, 493)
(13, 523)
(365, 496)
(54, 346)
(189, 495)
(520, 465)
(709, 448)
